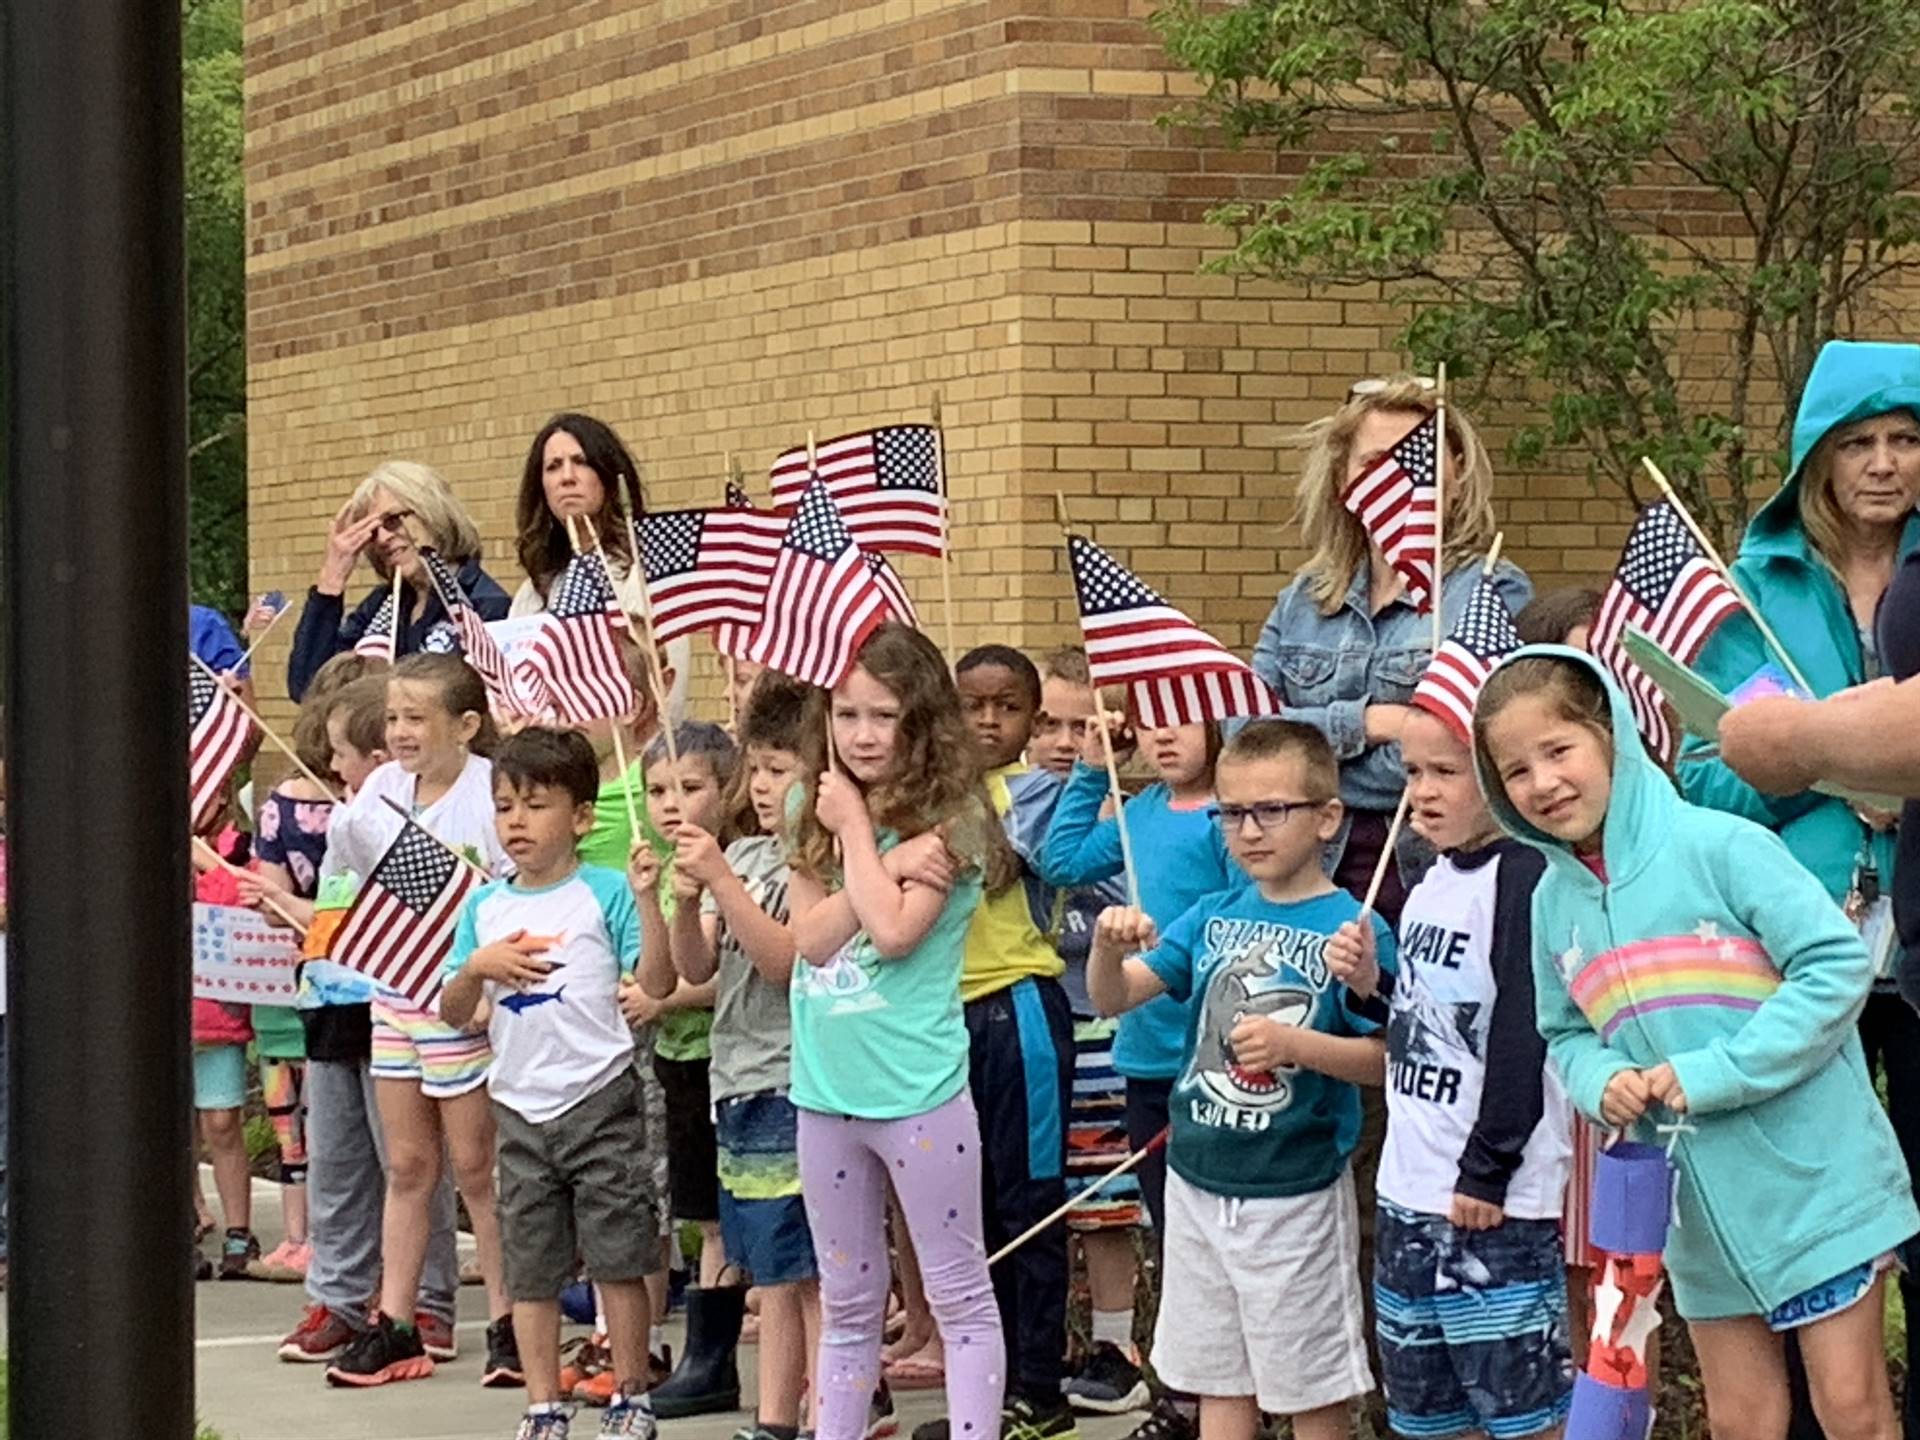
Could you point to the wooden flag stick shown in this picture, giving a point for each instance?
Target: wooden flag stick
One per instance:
(221, 862)
(1753, 610)
(733, 707)
(265, 631)
(1493, 552)
(1080, 1199)
(946, 541)
(266, 730)
(813, 473)
(397, 583)
(1386, 856)
(1439, 506)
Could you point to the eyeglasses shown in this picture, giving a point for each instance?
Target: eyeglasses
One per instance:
(395, 522)
(1380, 384)
(1268, 814)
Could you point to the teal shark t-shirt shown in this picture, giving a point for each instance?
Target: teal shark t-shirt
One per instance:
(1247, 1133)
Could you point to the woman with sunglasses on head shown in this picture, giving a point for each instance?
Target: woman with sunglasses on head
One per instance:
(1345, 645)
(396, 510)
(579, 469)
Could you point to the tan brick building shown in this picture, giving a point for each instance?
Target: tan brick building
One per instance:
(716, 225)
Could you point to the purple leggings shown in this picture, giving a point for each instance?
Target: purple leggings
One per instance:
(933, 1161)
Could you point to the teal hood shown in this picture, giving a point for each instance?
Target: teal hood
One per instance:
(1643, 799)
(1851, 380)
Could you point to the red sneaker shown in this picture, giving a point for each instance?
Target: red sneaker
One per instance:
(436, 1336)
(320, 1336)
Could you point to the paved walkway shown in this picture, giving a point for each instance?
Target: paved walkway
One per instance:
(246, 1393)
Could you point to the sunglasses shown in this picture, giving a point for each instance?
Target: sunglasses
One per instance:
(395, 522)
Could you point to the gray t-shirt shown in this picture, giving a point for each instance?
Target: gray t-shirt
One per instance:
(752, 1027)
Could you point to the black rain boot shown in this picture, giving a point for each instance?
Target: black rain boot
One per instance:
(707, 1381)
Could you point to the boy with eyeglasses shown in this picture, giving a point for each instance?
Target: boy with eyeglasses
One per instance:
(1262, 1307)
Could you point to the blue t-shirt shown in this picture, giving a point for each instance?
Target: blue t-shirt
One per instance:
(1181, 858)
(1260, 1134)
(211, 638)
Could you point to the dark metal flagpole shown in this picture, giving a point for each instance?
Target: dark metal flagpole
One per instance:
(100, 1317)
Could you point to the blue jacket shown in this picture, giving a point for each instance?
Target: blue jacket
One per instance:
(1806, 607)
(1328, 668)
(1065, 914)
(1710, 947)
(325, 630)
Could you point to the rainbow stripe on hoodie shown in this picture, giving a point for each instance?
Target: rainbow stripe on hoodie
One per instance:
(1704, 968)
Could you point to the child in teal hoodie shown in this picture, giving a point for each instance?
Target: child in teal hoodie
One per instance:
(1687, 968)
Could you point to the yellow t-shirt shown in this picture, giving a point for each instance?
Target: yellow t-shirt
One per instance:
(1003, 944)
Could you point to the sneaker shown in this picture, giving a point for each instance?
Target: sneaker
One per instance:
(436, 1336)
(202, 1268)
(882, 1423)
(285, 1263)
(238, 1251)
(503, 1370)
(320, 1336)
(549, 1425)
(582, 1358)
(1166, 1422)
(628, 1417)
(1022, 1418)
(598, 1389)
(1108, 1383)
(380, 1355)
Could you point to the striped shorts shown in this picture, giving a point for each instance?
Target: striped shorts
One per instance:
(1472, 1326)
(1097, 1131)
(410, 1044)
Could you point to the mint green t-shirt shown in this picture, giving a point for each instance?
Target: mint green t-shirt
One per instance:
(880, 1039)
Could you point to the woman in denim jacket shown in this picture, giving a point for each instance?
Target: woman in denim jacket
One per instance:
(1344, 647)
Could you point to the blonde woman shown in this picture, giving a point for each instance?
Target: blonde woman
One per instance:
(1344, 645)
(395, 510)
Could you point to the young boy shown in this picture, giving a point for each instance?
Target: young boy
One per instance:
(549, 948)
(1468, 1275)
(1021, 1028)
(1261, 1308)
(1108, 1380)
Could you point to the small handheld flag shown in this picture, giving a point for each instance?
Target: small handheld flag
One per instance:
(376, 641)
(1482, 636)
(899, 602)
(887, 483)
(575, 657)
(709, 567)
(822, 602)
(400, 926)
(217, 734)
(1397, 500)
(510, 691)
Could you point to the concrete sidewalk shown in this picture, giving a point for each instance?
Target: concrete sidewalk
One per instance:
(247, 1393)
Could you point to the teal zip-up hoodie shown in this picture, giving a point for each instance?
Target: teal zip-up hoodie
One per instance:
(1709, 947)
(1806, 607)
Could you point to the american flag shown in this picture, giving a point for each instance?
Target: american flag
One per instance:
(218, 732)
(510, 691)
(709, 567)
(376, 641)
(729, 637)
(823, 602)
(574, 657)
(887, 483)
(1482, 635)
(1397, 501)
(1665, 586)
(400, 926)
(1175, 673)
(894, 589)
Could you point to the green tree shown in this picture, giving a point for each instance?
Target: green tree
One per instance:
(216, 301)
(1599, 204)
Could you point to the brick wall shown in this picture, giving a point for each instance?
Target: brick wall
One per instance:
(718, 225)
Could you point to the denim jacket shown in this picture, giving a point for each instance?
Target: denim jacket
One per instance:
(1328, 668)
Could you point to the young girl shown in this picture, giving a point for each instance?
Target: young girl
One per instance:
(428, 1077)
(879, 1043)
(1476, 1151)
(692, 793)
(736, 939)
(221, 1032)
(1170, 821)
(289, 847)
(1688, 969)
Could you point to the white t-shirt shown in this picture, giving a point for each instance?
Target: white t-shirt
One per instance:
(1461, 1005)
(564, 1039)
(360, 831)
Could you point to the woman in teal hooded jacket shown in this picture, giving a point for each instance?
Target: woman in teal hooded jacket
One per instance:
(1686, 967)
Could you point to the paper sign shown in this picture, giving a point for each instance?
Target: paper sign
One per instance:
(241, 959)
(514, 636)
(1765, 683)
(1700, 707)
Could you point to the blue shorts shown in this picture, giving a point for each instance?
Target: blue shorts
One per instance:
(1843, 1292)
(1473, 1325)
(219, 1077)
(763, 1220)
